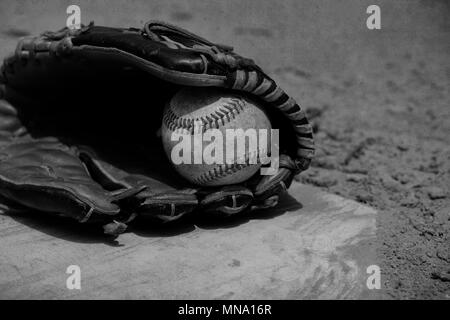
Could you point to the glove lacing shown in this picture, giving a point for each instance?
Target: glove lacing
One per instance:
(219, 53)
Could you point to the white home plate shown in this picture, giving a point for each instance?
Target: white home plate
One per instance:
(313, 246)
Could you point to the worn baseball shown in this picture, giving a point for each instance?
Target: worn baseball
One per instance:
(200, 134)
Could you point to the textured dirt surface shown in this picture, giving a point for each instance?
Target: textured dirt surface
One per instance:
(379, 101)
(390, 149)
(383, 137)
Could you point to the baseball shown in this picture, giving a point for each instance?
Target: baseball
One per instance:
(209, 134)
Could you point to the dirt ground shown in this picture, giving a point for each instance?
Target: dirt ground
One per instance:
(383, 139)
(379, 101)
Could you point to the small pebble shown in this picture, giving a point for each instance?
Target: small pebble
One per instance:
(444, 277)
(364, 197)
(355, 177)
(328, 162)
(435, 193)
(409, 201)
(324, 181)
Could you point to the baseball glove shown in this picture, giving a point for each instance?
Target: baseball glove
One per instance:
(79, 112)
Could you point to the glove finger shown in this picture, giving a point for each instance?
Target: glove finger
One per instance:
(226, 201)
(9, 122)
(167, 206)
(268, 188)
(154, 198)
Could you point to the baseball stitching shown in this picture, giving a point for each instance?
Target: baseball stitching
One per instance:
(226, 113)
(223, 170)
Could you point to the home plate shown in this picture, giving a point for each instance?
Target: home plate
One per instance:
(314, 245)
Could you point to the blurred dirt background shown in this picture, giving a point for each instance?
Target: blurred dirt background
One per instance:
(379, 101)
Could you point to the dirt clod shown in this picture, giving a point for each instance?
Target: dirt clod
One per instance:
(435, 193)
